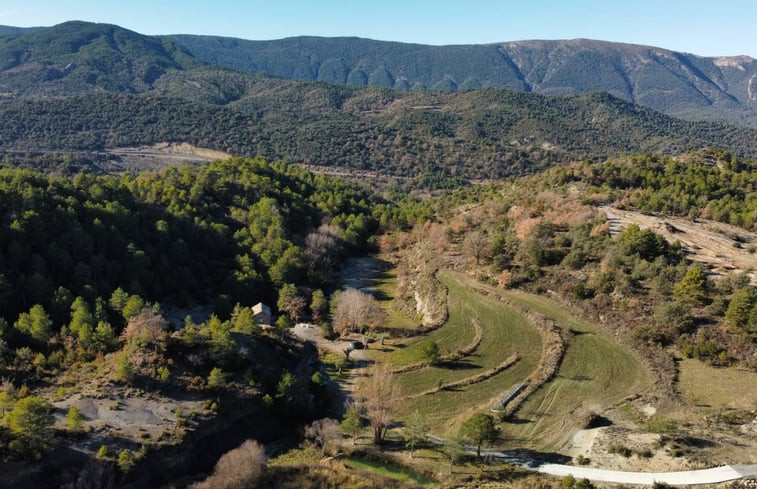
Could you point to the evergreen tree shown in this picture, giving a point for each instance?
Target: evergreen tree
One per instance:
(693, 287)
(36, 323)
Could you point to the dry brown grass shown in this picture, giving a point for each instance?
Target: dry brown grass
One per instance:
(717, 387)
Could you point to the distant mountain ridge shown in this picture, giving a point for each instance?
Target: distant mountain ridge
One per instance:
(89, 87)
(678, 84)
(77, 56)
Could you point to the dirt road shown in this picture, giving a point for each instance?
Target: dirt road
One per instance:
(691, 477)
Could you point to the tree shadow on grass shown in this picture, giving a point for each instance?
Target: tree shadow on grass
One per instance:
(457, 365)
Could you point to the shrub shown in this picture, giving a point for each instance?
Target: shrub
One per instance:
(126, 460)
(124, 370)
(619, 449)
(216, 379)
(102, 453)
(74, 419)
(239, 468)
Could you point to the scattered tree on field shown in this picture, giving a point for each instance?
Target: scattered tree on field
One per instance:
(453, 450)
(355, 311)
(378, 395)
(430, 351)
(415, 430)
(479, 429)
(351, 423)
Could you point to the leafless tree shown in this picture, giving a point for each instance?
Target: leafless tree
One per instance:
(322, 249)
(323, 431)
(355, 311)
(476, 246)
(378, 396)
(147, 326)
(239, 468)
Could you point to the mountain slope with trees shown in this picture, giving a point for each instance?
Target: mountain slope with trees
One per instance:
(478, 134)
(79, 57)
(80, 86)
(678, 84)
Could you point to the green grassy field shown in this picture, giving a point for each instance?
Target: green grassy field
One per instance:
(505, 332)
(387, 471)
(596, 372)
(701, 384)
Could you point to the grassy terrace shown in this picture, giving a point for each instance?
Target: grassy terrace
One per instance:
(387, 471)
(505, 332)
(596, 372)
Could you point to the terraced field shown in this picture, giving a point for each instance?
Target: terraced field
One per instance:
(714, 387)
(505, 332)
(596, 372)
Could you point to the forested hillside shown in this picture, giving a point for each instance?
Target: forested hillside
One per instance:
(678, 84)
(234, 231)
(80, 86)
(478, 134)
(80, 57)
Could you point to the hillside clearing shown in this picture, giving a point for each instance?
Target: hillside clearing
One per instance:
(717, 387)
(716, 245)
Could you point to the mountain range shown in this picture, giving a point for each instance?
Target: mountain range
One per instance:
(677, 84)
(84, 87)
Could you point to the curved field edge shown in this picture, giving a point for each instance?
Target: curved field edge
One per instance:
(596, 373)
(506, 333)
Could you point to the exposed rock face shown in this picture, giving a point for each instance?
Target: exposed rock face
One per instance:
(419, 293)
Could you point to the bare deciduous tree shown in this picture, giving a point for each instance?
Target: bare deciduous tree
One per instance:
(239, 468)
(355, 311)
(477, 246)
(323, 431)
(378, 396)
(147, 326)
(322, 249)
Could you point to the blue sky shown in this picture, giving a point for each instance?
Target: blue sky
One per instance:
(708, 28)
